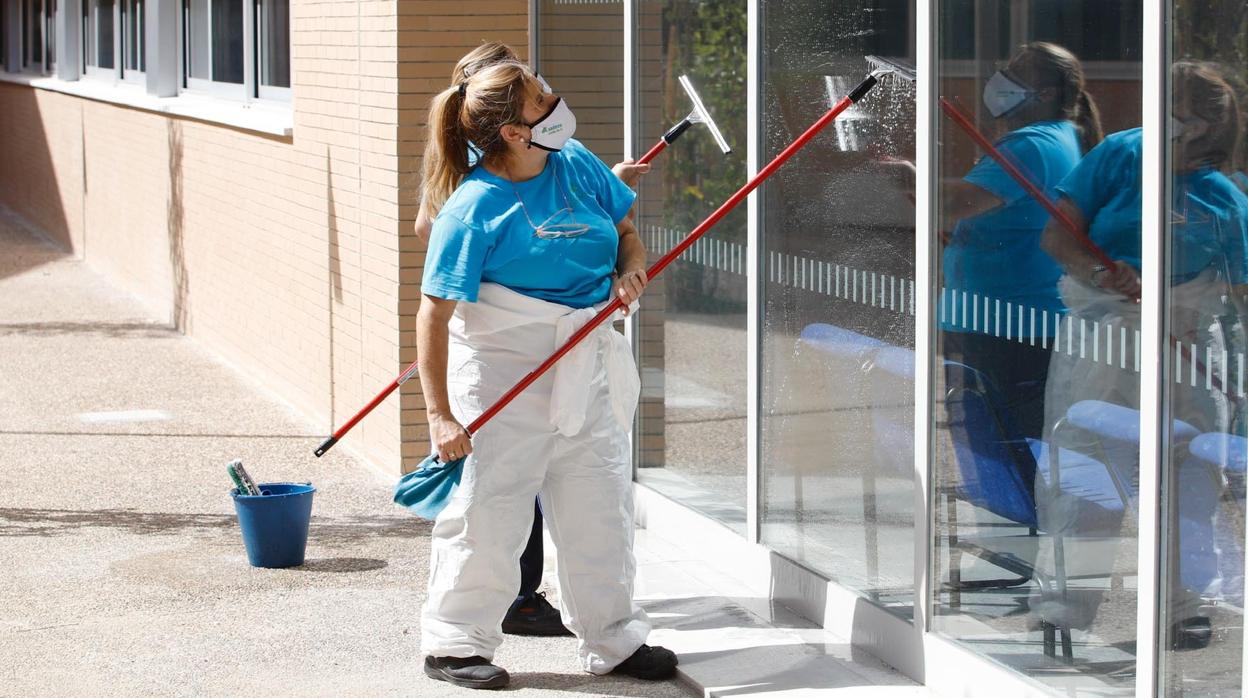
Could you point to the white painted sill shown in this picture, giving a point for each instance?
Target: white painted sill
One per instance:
(273, 118)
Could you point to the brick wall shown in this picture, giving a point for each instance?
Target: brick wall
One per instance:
(433, 35)
(291, 257)
(581, 54)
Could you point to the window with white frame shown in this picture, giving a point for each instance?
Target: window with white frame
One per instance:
(98, 33)
(234, 48)
(37, 34)
(213, 39)
(273, 38)
(133, 43)
(237, 48)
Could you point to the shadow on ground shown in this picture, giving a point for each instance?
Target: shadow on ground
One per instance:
(97, 329)
(51, 523)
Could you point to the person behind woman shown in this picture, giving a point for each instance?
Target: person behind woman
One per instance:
(993, 255)
(491, 53)
(1206, 271)
(526, 243)
(530, 613)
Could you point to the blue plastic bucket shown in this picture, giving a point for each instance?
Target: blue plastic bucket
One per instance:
(275, 524)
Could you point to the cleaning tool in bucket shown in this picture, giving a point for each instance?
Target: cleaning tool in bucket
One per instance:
(699, 115)
(242, 480)
(420, 483)
(275, 523)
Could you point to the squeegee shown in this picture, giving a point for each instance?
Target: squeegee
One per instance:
(699, 115)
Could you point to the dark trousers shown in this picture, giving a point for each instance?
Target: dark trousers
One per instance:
(532, 558)
(1017, 370)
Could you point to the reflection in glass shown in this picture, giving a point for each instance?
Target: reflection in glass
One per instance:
(197, 35)
(692, 417)
(133, 51)
(1036, 382)
(837, 382)
(32, 11)
(227, 41)
(104, 33)
(1203, 375)
(49, 24)
(273, 32)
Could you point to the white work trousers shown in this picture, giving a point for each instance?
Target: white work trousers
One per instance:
(585, 482)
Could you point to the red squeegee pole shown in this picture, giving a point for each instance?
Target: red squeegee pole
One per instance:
(658, 267)
(654, 270)
(1024, 181)
(1058, 214)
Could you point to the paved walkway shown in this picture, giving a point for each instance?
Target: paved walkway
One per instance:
(124, 573)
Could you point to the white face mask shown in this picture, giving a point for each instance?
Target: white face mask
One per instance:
(1003, 95)
(552, 131)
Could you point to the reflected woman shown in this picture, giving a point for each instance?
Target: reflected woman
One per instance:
(1205, 275)
(1000, 303)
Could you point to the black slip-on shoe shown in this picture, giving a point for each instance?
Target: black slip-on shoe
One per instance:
(534, 615)
(468, 672)
(649, 663)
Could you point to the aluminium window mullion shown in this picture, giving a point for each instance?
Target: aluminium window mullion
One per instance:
(632, 332)
(754, 279)
(925, 126)
(1153, 437)
(250, 44)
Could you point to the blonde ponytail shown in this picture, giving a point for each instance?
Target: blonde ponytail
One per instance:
(446, 150)
(471, 113)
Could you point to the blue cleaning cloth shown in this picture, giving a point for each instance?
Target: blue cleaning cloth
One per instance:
(426, 490)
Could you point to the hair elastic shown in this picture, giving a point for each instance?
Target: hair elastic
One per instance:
(463, 88)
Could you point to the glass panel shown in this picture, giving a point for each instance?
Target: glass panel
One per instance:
(50, 33)
(88, 41)
(197, 39)
(103, 14)
(34, 33)
(838, 299)
(133, 52)
(273, 20)
(227, 41)
(692, 323)
(1036, 375)
(1206, 297)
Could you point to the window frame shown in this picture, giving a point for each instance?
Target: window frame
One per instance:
(207, 86)
(46, 65)
(939, 662)
(89, 36)
(122, 39)
(269, 92)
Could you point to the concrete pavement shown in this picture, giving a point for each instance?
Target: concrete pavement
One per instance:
(124, 569)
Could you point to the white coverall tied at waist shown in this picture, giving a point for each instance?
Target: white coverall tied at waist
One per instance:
(566, 438)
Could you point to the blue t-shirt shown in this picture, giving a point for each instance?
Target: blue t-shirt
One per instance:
(996, 255)
(1105, 186)
(483, 234)
(1208, 227)
(1209, 214)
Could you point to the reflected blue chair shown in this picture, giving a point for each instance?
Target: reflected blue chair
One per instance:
(998, 472)
(1109, 434)
(841, 343)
